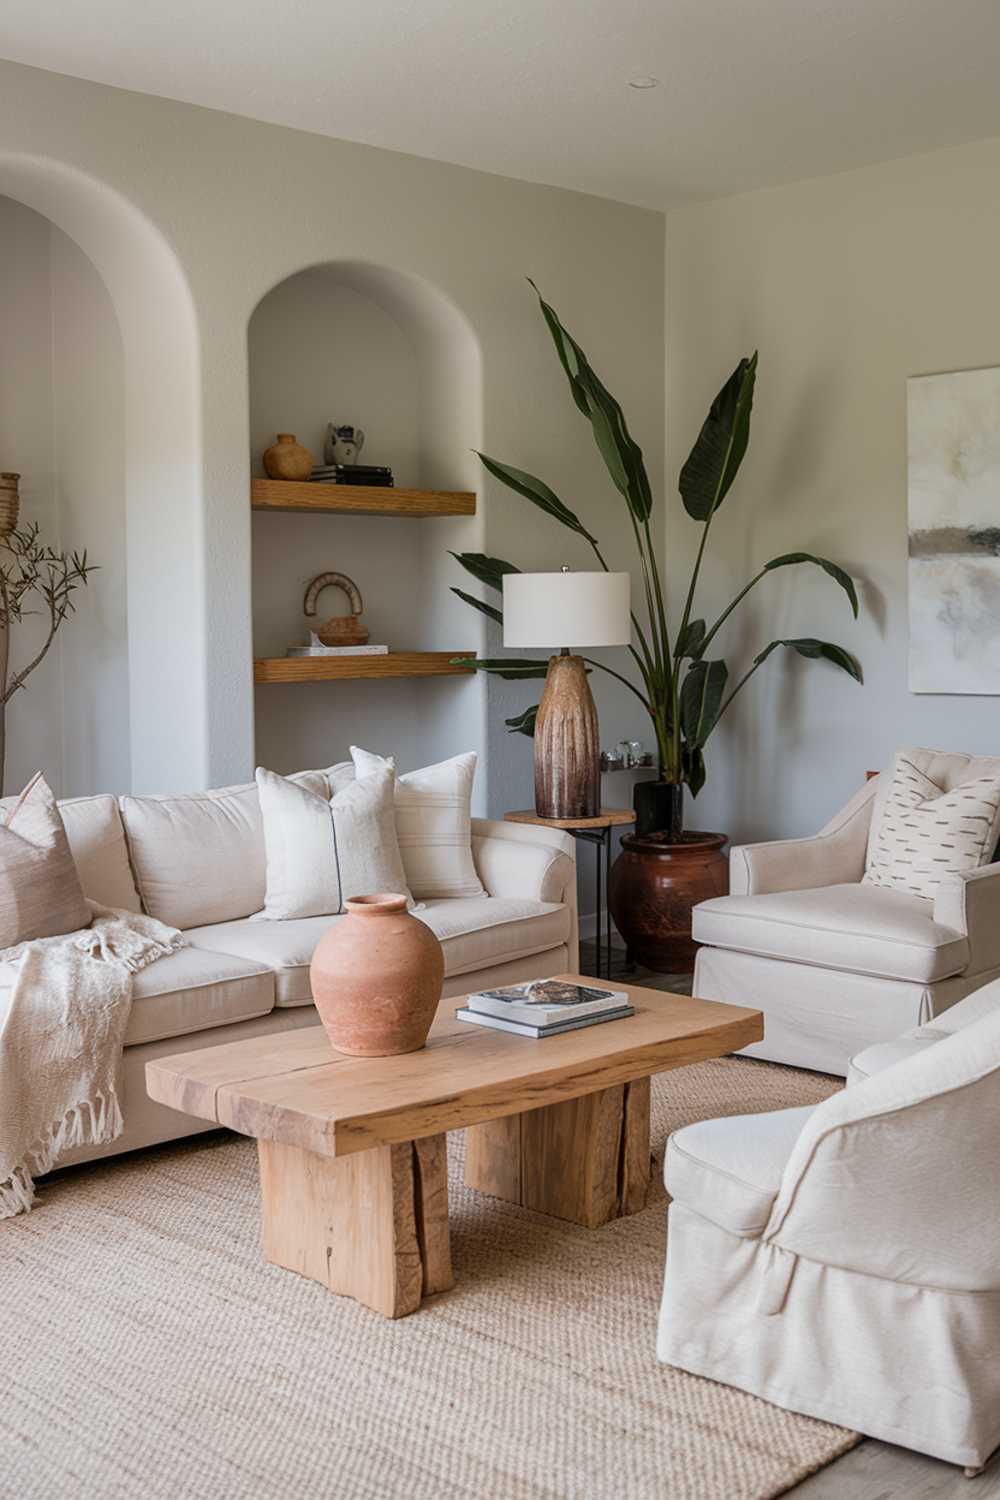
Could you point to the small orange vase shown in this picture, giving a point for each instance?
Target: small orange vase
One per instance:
(377, 978)
(287, 459)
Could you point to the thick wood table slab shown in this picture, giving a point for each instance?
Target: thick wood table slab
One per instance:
(352, 1150)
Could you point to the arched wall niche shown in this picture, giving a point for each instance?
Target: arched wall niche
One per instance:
(353, 342)
(161, 459)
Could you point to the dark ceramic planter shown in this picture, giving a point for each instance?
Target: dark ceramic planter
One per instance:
(659, 807)
(655, 882)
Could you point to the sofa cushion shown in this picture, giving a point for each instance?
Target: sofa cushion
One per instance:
(194, 990)
(729, 1170)
(187, 991)
(97, 843)
(475, 934)
(199, 856)
(861, 928)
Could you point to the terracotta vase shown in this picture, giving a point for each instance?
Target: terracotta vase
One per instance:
(9, 504)
(377, 977)
(654, 884)
(287, 459)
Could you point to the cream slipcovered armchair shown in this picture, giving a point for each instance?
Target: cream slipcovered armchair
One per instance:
(837, 963)
(844, 1261)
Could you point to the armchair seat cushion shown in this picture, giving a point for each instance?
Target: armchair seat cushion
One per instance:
(476, 932)
(729, 1170)
(864, 929)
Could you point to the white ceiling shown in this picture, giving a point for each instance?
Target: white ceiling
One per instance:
(752, 92)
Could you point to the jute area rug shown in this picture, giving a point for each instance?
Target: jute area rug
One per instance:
(147, 1351)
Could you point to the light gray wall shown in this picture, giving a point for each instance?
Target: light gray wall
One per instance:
(221, 210)
(847, 285)
(61, 428)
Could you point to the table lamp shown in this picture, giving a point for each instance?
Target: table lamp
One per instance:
(580, 609)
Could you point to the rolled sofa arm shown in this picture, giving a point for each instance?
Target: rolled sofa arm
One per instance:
(528, 862)
(970, 903)
(834, 856)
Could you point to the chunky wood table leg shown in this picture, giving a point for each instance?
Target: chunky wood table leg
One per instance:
(373, 1226)
(586, 1159)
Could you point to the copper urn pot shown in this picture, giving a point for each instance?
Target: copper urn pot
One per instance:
(655, 882)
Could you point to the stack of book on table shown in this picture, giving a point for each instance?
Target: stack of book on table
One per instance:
(544, 1007)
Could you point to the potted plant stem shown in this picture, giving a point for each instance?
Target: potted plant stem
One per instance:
(681, 682)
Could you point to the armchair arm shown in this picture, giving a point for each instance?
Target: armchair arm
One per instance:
(526, 861)
(834, 856)
(868, 1162)
(970, 903)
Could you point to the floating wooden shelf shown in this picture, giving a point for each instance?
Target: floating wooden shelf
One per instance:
(358, 499)
(342, 668)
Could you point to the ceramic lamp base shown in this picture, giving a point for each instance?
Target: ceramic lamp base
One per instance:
(567, 744)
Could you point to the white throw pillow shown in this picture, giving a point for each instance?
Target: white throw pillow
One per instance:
(433, 823)
(923, 832)
(322, 850)
(40, 892)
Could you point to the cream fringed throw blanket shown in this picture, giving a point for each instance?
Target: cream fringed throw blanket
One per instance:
(61, 1040)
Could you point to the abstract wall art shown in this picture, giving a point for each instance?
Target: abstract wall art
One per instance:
(953, 466)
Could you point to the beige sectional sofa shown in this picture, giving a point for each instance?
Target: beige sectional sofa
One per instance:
(198, 863)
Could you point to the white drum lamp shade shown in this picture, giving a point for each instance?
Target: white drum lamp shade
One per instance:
(566, 609)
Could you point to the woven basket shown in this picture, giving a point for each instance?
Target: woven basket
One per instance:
(9, 503)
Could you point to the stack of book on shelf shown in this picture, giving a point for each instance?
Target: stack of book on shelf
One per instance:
(372, 474)
(544, 1007)
(316, 648)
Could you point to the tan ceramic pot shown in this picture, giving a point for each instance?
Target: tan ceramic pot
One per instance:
(287, 459)
(377, 977)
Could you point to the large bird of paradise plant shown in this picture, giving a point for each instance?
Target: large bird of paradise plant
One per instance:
(683, 688)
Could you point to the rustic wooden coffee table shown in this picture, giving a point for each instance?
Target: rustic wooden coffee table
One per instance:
(353, 1166)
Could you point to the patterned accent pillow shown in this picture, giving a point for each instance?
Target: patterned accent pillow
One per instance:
(40, 892)
(321, 850)
(924, 832)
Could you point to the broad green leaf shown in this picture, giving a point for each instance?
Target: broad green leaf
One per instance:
(564, 349)
(513, 668)
(621, 453)
(814, 649)
(480, 604)
(691, 641)
(693, 764)
(488, 570)
(523, 723)
(836, 572)
(719, 448)
(537, 491)
(701, 700)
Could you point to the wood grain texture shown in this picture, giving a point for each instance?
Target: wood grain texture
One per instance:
(585, 1160)
(346, 668)
(373, 1227)
(283, 1088)
(567, 753)
(635, 1165)
(358, 500)
(608, 817)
